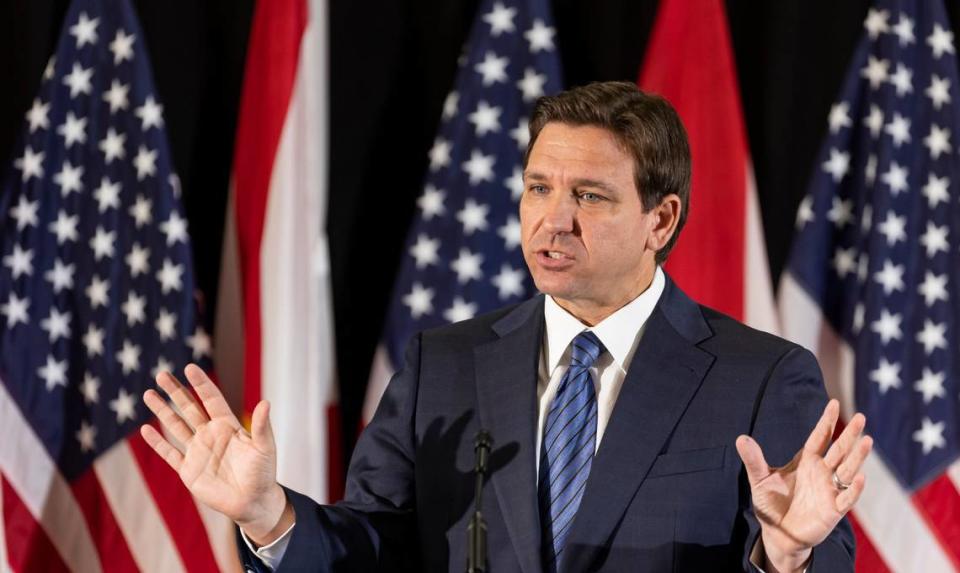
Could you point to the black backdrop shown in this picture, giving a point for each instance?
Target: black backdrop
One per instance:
(391, 64)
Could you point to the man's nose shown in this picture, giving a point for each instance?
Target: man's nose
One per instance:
(561, 213)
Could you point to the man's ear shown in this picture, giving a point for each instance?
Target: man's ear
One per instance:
(665, 218)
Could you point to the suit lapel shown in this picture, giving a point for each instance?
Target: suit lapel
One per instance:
(663, 377)
(506, 372)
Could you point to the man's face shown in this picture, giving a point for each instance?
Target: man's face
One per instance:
(585, 234)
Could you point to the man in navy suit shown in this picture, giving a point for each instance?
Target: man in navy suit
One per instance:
(634, 428)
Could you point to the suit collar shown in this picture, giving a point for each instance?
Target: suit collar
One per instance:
(683, 314)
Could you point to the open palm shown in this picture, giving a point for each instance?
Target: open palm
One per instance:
(799, 504)
(222, 465)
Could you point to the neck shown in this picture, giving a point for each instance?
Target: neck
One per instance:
(593, 312)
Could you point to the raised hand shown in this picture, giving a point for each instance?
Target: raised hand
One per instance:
(225, 467)
(799, 504)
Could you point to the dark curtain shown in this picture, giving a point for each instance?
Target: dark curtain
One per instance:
(392, 63)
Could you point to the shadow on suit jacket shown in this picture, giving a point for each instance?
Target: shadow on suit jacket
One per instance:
(667, 490)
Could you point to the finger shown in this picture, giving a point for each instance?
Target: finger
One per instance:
(819, 438)
(848, 497)
(753, 460)
(261, 429)
(155, 440)
(213, 400)
(842, 445)
(191, 411)
(171, 421)
(852, 463)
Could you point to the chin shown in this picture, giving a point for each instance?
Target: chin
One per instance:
(554, 288)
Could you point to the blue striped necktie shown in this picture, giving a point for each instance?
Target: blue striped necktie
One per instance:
(566, 452)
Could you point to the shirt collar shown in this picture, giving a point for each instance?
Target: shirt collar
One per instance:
(619, 332)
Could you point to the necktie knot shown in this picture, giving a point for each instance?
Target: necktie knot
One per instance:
(586, 349)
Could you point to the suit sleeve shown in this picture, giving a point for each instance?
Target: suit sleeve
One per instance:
(374, 528)
(789, 405)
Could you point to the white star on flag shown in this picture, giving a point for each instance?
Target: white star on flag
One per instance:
(122, 47)
(540, 37)
(150, 114)
(500, 19)
(39, 115)
(85, 30)
(79, 80)
(493, 69)
(30, 164)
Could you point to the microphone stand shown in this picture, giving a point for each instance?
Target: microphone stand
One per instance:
(477, 530)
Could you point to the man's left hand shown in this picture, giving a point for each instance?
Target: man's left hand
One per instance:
(799, 504)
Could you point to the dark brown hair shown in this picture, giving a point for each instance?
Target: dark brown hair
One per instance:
(645, 125)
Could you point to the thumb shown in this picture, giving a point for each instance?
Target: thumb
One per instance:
(260, 428)
(753, 460)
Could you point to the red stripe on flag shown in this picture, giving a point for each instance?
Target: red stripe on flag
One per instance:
(868, 560)
(176, 505)
(28, 547)
(690, 62)
(271, 68)
(335, 474)
(107, 536)
(939, 504)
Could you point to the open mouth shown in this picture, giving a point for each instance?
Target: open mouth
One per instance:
(554, 259)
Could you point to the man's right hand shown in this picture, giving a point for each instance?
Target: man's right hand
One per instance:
(222, 465)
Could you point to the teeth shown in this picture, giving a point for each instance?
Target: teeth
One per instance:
(554, 255)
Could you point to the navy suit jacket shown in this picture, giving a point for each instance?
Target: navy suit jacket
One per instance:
(667, 490)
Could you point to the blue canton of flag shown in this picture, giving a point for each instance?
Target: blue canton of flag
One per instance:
(877, 235)
(96, 282)
(462, 255)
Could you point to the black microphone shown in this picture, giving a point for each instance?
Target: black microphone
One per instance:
(477, 530)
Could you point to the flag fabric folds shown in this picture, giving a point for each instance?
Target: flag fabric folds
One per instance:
(721, 258)
(96, 295)
(462, 255)
(278, 215)
(872, 281)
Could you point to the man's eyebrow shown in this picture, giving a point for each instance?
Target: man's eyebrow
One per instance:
(594, 183)
(581, 182)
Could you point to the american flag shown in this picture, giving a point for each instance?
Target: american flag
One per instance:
(96, 295)
(876, 256)
(462, 255)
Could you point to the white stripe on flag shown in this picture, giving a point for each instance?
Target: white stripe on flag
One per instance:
(953, 472)
(885, 511)
(136, 511)
(4, 564)
(46, 494)
(802, 322)
(898, 532)
(380, 373)
(220, 531)
(759, 308)
(297, 343)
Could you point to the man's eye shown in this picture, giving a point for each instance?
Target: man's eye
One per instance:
(589, 197)
(538, 189)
